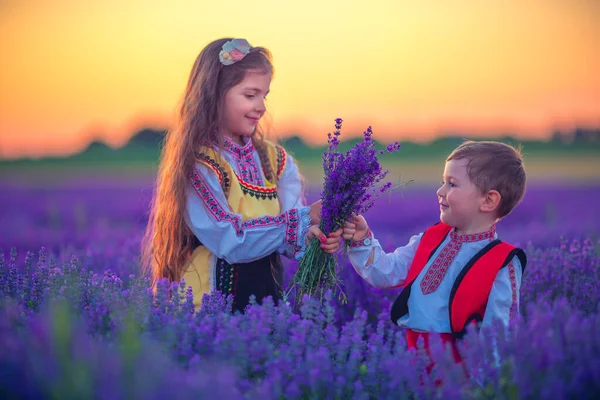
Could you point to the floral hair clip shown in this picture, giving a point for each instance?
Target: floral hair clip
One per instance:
(233, 51)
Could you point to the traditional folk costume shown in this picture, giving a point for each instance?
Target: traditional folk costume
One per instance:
(448, 281)
(243, 222)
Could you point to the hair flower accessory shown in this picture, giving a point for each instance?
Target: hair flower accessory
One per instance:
(233, 51)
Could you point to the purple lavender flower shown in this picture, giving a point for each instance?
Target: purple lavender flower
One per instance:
(350, 187)
(113, 345)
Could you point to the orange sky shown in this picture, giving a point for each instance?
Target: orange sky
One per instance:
(71, 71)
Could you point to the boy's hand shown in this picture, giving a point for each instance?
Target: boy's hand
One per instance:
(315, 213)
(355, 228)
(330, 244)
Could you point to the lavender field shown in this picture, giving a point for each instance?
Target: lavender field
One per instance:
(77, 319)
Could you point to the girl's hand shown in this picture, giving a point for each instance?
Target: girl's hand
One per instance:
(355, 228)
(330, 244)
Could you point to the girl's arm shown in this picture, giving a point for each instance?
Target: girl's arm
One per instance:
(290, 191)
(224, 233)
(290, 188)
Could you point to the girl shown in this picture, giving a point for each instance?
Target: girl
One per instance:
(227, 202)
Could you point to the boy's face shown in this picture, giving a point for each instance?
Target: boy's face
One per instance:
(459, 199)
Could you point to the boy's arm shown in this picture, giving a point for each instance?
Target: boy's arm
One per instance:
(503, 302)
(378, 268)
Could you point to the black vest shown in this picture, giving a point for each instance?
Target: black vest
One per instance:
(261, 278)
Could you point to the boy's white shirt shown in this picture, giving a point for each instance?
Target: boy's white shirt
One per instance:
(429, 313)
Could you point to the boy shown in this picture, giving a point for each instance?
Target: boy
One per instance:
(457, 271)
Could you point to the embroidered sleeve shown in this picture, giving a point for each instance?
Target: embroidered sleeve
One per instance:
(296, 252)
(290, 190)
(387, 269)
(364, 242)
(291, 186)
(226, 235)
(503, 302)
(512, 277)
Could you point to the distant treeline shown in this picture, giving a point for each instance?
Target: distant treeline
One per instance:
(144, 147)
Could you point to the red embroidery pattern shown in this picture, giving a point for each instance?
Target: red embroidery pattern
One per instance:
(245, 161)
(437, 271)
(367, 240)
(234, 282)
(281, 160)
(435, 274)
(219, 175)
(290, 217)
(258, 191)
(218, 169)
(237, 150)
(291, 235)
(249, 171)
(513, 286)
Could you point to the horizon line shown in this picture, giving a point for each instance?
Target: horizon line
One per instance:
(568, 133)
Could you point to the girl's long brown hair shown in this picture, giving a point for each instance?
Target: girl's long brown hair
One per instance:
(168, 241)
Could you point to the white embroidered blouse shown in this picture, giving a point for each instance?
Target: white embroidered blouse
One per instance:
(223, 232)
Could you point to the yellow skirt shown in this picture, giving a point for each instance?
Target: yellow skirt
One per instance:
(199, 273)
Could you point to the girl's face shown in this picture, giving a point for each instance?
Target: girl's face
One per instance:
(244, 105)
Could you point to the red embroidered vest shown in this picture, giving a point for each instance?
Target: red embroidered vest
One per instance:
(472, 287)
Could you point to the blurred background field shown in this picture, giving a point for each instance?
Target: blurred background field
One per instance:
(69, 203)
(546, 161)
(102, 194)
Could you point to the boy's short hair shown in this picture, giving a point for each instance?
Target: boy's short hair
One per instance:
(494, 166)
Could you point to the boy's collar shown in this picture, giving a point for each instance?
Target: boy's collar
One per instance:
(490, 234)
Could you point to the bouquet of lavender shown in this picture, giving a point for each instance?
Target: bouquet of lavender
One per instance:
(351, 186)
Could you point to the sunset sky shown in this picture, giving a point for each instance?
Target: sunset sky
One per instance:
(75, 71)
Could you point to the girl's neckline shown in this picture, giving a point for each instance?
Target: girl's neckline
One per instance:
(237, 150)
